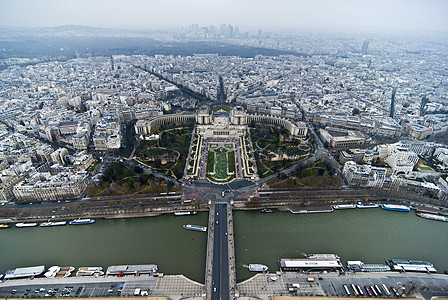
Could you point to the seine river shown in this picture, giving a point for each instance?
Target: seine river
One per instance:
(370, 235)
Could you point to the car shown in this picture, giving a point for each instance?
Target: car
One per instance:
(214, 290)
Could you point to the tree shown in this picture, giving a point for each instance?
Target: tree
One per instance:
(254, 202)
(131, 182)
(91, 190)
(355, 111)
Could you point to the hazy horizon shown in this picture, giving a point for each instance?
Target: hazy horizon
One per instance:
(247, 14)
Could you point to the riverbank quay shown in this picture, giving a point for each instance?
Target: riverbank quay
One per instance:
(261, 286)
(167, 286)
(68, 211)
(153, 205)
(319, 197)
(294, 284)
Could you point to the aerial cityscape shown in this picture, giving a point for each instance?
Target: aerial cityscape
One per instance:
(252, 151)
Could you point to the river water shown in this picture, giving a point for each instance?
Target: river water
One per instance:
(370, 235)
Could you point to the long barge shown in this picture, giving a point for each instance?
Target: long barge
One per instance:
(50, 223)
(185, 213)
(344, 206)
(432, 217)
(395, 207)
(82, 221)
(21, 225)
(410, 265)
(195, 227)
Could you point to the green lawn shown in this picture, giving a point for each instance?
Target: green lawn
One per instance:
(425, 168)
(231, 161)
(221, 165)
(210, 161)
(221, 159)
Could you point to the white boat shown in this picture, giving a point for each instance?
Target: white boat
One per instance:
(344, 206)
(195, 227)
(257, 268)
(396, 207)
(322, 256)
(432, 217)
(49, 223)
(82, 221)
(367, 205)
(185, 213)
(20, 225)
(52, 271)
(90, 271)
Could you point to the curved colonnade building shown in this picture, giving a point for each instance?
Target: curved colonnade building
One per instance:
(222, 127)
(221, 123)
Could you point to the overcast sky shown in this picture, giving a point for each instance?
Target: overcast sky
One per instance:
(248, 14)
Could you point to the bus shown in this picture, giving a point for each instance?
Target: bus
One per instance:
(388, 293)
(347, 291)
(354, 289)
(360, 290)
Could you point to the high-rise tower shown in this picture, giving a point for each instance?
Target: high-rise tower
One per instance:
(392, 104)
(365, 47)
(423, 103)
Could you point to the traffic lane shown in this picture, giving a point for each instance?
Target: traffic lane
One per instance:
(220, 255)
(217, 247)
(225, 254)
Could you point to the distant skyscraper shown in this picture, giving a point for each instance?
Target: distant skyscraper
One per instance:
(365, 47)
(425, 101)
(223, 29)
(230, 30)
(236, 31)
(112, 62)
(392, 104)
(194, 27)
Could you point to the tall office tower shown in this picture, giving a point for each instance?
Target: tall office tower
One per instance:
(223, 29)
(194, 27)
(365, 47)
(392, 104)
(236, 31)
(230, 30)
(423, 103)
(221, 95)
(112, 62)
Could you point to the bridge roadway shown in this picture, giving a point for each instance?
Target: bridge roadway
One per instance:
(220, 276)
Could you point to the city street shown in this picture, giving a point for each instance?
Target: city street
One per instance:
(220, 273)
